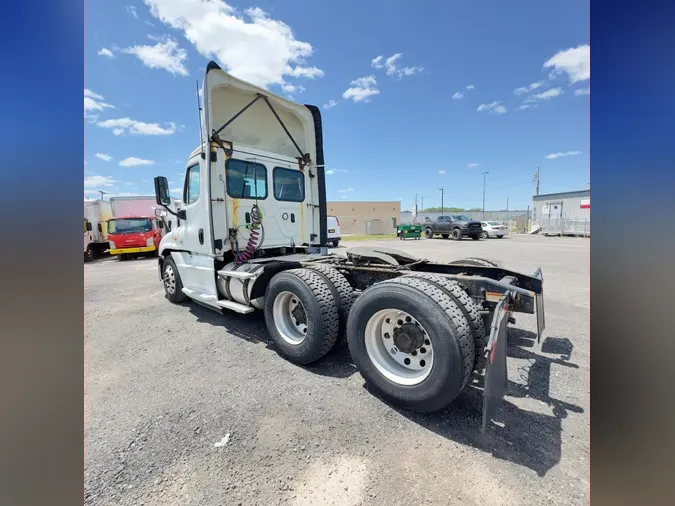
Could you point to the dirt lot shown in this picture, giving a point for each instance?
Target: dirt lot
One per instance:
(185, 406)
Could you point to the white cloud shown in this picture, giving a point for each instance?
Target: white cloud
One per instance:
(176, 190)
(132, 10)
(131, 126)
(93, 181)
(164, 55)
(133, 161)
(329, 104)
(391, 66)
(532, 100)
(553, 156)
(582, 91)
(104, 157)
(330, 172)
(125, 194)
(458, 95)
(575, 62)
(292, 88)
(530, 87)
(253, 46)
(94, 102)
(493, 108)
(104, 51)
(362, 89)
(472, 165)
(441, 172)
(346, 190)
(471, 87)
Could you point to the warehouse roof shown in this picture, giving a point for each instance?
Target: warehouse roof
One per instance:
(563, 195)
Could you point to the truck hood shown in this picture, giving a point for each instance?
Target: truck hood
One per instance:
(225, 96)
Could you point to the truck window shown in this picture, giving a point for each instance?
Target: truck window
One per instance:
(246, 180)
(191, 191)
(289, 184)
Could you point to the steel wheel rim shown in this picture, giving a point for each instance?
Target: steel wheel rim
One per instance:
(400, 367)
(484, 235)
(170, 280)
(288, 313)
(428, 233)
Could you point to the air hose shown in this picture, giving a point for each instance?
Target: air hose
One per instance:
(255, 228)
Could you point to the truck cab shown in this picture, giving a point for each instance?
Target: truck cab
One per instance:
(134, 235)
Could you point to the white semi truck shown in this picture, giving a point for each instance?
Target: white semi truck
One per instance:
(252, 235)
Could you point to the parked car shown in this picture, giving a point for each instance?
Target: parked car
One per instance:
(493, 229)
(334, 230)
(457, 226)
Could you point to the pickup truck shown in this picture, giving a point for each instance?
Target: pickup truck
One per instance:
(456, 225)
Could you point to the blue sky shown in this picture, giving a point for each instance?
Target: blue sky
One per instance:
(460, 87)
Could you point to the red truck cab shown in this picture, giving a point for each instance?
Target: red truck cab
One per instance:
(134, 235)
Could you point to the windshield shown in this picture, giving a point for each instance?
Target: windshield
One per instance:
(460, 217)
(129, 226)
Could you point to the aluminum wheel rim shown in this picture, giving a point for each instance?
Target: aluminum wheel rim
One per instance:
(397, 366)
(288, 311)
(170, 280)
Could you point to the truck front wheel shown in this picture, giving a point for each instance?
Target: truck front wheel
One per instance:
(173, 286)
(411, 343)
(301, 315)
(457, 234)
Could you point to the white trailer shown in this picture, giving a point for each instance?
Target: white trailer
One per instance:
(253, 235)
(96, 215)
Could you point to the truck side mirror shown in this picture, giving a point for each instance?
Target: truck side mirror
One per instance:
(88, 226)
(162, 195)
(161, 224)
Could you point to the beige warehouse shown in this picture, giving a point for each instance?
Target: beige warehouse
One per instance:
(366, 218)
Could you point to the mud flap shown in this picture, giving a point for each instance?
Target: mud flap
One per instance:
(541, 320)
(495, 382)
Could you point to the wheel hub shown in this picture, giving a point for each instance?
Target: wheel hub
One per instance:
(408, 338)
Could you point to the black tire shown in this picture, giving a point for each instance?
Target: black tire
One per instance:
(457, 234)
(475, 237)
(446, 327)
(335, 243)
(445, 236)
(343, 292)
(500, 237)
(468, 307)
(480, 262)
(484, 234)
(428, 233)
(174, 294)
(123, 257)
(320, 305)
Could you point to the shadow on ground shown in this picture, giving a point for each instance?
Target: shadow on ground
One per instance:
(527, 438)
(251, 327)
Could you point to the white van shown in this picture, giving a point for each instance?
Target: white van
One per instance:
(333, 230)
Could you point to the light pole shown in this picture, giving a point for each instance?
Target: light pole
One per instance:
(102, 193)
(441, 200)
(483, 214)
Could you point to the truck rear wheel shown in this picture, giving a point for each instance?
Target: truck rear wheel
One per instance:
(301, 315)
(469, 309)
(457, 234)
(343, 292)
(173, 286)
(428, 233)
(411, 343)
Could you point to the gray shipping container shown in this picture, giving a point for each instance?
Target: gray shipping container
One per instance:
(567, 213)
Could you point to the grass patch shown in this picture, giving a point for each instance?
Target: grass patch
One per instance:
(368, 237)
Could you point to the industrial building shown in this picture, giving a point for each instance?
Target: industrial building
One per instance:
(366, 218)
(567, 213)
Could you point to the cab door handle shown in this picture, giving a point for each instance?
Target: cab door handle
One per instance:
(201, 236)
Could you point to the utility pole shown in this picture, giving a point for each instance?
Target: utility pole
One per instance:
(422, 208)
(508, 218)
(441, 200)
(415, 216)
(483, 215)
(536, 181)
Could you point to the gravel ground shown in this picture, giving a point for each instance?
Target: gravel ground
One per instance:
(185, 406)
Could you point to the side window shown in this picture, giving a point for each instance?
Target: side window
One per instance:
(246, 180)
(289, 184)
(191, 191)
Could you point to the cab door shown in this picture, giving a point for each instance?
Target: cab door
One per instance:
(293, 215)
